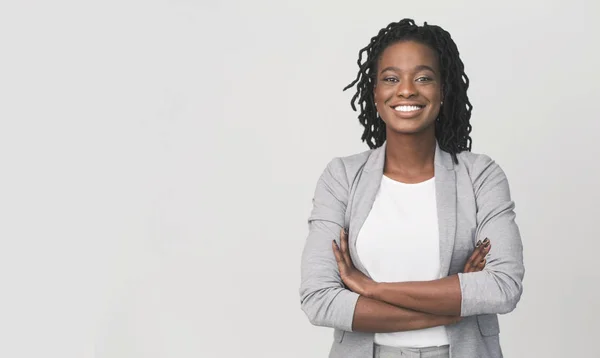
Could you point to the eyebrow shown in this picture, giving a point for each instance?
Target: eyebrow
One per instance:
(418, 68)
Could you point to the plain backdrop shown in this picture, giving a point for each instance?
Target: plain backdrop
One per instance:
(158, 161)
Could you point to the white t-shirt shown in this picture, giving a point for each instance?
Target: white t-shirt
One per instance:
(398, 242)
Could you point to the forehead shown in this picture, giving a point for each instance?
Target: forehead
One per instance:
(408, 54)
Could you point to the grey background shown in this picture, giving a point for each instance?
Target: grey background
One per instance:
(158, 159)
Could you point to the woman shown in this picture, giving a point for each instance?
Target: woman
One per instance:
(395, 260)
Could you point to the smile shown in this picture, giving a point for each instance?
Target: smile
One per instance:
(408, 108)
(408, 111)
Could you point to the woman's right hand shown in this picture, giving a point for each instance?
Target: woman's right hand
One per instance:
(477, 261)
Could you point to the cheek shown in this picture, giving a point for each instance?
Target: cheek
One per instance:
(435, 98)
(376, 93)
(381, 95)
(437, 93)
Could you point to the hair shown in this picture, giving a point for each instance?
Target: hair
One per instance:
(452, 126)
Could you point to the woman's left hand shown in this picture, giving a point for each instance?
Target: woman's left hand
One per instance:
(351, 276)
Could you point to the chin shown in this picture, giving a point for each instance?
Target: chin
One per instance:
(408, 128)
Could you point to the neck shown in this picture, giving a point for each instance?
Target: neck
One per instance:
(410, 156)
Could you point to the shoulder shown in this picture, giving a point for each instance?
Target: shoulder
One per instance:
(342, 171)
(484, 172)
(476, 163)
(348, 166)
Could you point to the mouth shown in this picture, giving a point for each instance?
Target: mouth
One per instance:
(408, 111)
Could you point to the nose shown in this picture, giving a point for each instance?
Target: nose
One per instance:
(406, 89)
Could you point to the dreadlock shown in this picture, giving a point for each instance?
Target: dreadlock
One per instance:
(452, 126)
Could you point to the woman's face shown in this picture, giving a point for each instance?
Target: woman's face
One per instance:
(408, 90)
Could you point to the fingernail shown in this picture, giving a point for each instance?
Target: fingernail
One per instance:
(486, 240)
(478, 243)
(345, 231)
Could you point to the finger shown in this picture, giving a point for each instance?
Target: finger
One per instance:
(470, 261)
(480, 252)
(475, 251)
(483, 262)
(481, 265)
(344, 247)
(336, 252)
(485, 250)
(341, 264)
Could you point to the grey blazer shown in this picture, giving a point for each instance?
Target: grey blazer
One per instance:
(473, 202)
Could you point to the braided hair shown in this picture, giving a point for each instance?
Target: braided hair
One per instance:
(452, 126)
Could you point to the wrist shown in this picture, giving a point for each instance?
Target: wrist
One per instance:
(373, 289)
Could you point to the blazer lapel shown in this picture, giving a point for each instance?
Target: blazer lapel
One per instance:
(445, 188)
(363, 199)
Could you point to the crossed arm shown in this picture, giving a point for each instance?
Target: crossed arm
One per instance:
(392, 307)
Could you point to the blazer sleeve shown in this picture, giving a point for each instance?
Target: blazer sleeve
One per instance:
(323, 297)
(498, 287)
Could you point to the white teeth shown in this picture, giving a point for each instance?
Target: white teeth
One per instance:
(407, 108)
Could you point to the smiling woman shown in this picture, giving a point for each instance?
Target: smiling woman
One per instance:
(399, 257)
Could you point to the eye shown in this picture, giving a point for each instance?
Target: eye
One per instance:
(424, 79)
(390, 79)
